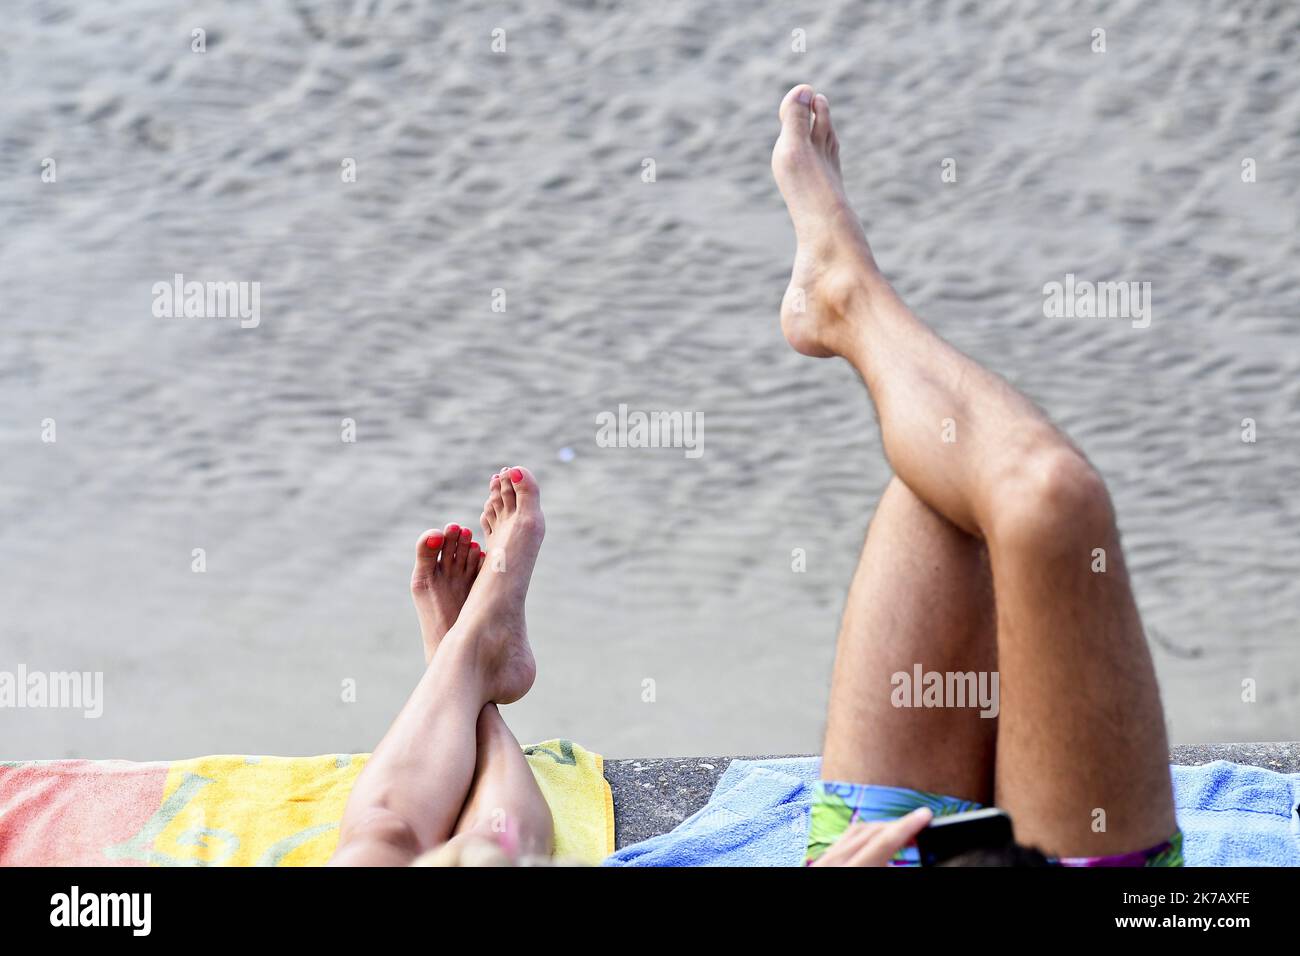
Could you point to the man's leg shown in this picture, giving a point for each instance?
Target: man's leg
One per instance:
(921, 595)
(1081, 726)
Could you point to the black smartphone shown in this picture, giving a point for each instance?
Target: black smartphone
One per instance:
(950, 836)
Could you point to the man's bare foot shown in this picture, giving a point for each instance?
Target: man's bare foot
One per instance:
(492, 621)
(446, 563)
(833, 266)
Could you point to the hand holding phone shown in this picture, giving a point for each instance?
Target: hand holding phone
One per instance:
(950, 836)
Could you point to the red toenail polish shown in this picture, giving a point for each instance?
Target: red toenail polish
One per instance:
(435, 541)
(466, 534)
(516, 474)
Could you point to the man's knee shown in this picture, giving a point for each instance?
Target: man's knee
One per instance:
(1053, 501)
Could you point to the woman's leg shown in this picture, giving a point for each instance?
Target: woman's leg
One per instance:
(1082, 759)
(411, 794)
(504, 803)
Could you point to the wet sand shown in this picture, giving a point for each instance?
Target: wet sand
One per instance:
(523, 171)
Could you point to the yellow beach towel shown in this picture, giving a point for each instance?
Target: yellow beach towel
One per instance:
(242, 811)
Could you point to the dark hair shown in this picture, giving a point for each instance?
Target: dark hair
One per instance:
(1009, 854)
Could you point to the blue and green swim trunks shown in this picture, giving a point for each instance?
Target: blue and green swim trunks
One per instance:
(836, 806)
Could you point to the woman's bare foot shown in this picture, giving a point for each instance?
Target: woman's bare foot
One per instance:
(446, 563)
(833, 266)
(492, 621)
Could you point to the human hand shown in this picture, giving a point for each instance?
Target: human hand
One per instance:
(874, 844)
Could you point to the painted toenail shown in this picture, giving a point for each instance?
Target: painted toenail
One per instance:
(466, 534)
(452, 530)
(516, 474)
(434, 541)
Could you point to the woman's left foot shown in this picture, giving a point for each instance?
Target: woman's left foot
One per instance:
(446, 563)
(491, 628)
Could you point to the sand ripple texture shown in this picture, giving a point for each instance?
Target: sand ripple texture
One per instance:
(665, 611)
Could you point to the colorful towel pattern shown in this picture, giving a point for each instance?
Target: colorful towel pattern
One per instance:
(242, 811)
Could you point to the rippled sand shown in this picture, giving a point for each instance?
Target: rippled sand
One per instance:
(523, 171)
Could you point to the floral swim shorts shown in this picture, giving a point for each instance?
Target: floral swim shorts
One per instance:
(838, 805)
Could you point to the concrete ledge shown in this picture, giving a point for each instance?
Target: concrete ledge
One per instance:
(1284, 756)
(652, 796)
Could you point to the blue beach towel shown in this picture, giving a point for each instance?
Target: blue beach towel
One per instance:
(1231, 815)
